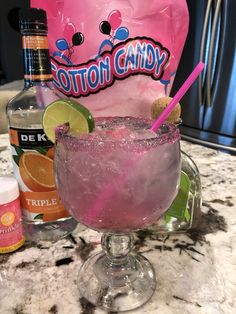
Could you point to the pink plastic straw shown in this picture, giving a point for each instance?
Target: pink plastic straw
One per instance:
(183, 89)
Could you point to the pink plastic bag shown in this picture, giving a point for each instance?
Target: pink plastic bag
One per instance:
(115, 56)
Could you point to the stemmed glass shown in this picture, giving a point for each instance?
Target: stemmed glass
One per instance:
(120, 178)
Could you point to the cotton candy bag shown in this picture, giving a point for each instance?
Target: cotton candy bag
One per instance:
(115, 56)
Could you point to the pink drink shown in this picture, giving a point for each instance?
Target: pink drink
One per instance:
(120, 177)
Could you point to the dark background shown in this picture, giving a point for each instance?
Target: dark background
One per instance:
(11, 61)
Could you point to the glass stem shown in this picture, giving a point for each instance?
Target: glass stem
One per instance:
(117, 248)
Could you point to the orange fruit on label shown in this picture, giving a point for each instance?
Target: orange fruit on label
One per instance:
(7, 219)
(37, 172)
(50, 152)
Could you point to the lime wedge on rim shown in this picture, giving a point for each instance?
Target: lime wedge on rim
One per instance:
(64, 111)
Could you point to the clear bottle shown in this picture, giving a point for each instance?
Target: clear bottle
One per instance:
(185, 211)
(44, 217)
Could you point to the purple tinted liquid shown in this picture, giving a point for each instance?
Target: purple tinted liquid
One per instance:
(111, 180)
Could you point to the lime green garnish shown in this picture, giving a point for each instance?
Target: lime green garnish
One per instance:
(71, 112)
(178, 209)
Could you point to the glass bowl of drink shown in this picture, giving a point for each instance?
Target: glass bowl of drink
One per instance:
(119, 178)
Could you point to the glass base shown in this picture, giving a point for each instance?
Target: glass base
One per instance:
(117, 287)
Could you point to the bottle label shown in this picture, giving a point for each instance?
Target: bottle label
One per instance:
(11, 231)
(33, 156)
(29, 138)
(36, 58)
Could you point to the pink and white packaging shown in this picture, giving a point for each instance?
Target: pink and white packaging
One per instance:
(115, 56)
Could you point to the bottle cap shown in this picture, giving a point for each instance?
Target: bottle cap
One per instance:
(33, 15)
(9, 190)
(33, 19)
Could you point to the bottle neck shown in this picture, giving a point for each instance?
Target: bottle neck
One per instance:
(37, 66)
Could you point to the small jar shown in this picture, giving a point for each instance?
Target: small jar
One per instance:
(11, 230)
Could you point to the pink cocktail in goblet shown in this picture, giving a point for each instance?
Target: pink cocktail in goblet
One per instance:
(119, 178)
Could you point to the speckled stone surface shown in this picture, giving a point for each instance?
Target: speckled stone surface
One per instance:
(196, 272)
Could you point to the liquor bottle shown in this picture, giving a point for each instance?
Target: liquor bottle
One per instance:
(44, 216)
(185, 211)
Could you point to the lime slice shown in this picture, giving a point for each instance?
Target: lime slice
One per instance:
(178, 209)
(64, 111)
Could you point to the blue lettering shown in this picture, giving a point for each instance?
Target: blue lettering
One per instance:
(54, 68)
(105, 70)
(159, 60)
(93, 83)
(150, 58)
(119, 70)
(130, 59)
(82, 75)
(141, 53)
(74, 82)
(65, 83)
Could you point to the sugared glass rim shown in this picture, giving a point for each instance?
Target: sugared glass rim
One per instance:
(170, 133)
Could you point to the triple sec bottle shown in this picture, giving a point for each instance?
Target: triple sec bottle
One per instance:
(44, 216)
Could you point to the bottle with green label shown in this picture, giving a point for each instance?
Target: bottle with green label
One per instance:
(44, 216)
(185, 211)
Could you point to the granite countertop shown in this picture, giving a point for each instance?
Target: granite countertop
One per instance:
(196, 272)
